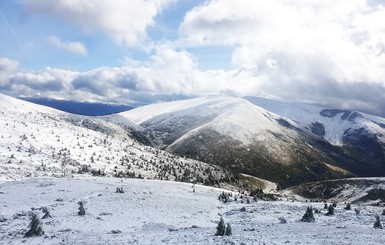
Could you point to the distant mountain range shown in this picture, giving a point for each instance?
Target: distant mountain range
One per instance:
(81, 108)
(286, 143)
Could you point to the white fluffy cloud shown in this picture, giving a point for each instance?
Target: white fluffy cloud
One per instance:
(72, 47)
(123, 21)
(7, 66)
(312, 46)
(166, 74)
(326, 52)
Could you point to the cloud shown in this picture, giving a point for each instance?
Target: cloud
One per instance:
(173, 74)
(124, 21)
(7, 66)
(304, 50)
(72, 47)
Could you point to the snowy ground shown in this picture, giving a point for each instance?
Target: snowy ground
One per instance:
(160, 212)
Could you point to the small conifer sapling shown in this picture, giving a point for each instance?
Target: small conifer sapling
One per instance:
(308, 216)
(330, 210)
(82, 211)
(35, 228)
(221, 228)
(378, 223)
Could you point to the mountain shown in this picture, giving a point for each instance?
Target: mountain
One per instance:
(359, 136)
(39, 141)
(80, 108)
(353, 190)
(237, 134)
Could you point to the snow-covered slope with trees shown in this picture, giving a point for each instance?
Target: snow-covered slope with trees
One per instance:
(40, 141)
(235, 133)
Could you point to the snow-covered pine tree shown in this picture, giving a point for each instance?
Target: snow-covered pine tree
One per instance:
(308, 216)
(378, 223)
(348, 206)
(35, 228)
(330, 210)
(228, 230)
(221, 228)
(46, 213)
(82, 211)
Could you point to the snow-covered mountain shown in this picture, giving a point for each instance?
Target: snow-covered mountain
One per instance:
(237, 134)
(354, 190)
(358, 135)
(40, 141)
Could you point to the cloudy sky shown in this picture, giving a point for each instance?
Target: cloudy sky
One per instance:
(329, 52)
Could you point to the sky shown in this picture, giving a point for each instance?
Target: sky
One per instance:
(329, 52)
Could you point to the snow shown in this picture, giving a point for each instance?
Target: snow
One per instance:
(160, 212)
(142, 114)
(335, 126)
(39, 141)
(234, 117)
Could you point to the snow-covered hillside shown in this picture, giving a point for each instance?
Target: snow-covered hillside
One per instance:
(234, 117)
(358, 137)
(353, 190)
(159, 212)
(39, 141)
(331, 124)
(235, 133)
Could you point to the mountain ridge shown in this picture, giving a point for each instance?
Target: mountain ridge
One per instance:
(267, 132)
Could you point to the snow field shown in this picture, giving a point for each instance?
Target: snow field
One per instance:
(161, 212)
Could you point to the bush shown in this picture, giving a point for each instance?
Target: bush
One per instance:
(282, 220)
(308, 216)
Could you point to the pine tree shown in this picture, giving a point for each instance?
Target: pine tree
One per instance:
(228, 230)
(308, 216)
(348, 206)
(82, 211)
(221, 228)
(46, 213)
(330, 210)
(35, 228)
(378, 223)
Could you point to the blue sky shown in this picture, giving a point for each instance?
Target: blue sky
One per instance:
(328, 52)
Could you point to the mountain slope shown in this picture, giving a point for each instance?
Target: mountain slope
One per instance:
(40, 141)
(236, 134)
(357, 135)
(354, 190)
